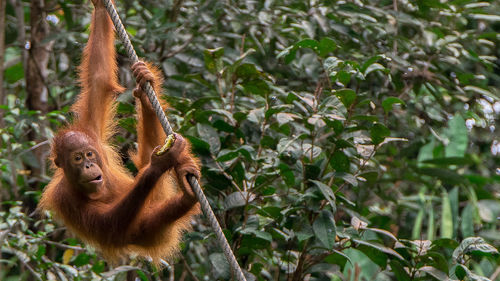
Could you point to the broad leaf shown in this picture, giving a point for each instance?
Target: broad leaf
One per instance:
(324, 229)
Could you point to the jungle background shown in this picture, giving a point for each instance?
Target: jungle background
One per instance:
(340, 140)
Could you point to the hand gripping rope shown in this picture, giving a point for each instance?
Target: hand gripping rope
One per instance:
(205, 206)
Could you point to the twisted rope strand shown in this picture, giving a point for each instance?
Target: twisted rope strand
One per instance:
(205, 206)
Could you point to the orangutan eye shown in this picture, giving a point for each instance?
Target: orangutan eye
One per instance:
(78, 158)
(90, 154)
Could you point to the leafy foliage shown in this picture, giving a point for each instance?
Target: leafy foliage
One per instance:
(340, 140)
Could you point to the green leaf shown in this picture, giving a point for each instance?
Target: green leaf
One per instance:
(459, 271)
(447, 161)
(481, 91)
(467, 222)
(344, 77)
(454, 202)
(369, 118)
(289, 54)
(374, 255)
(81, 259)
(370, 177)
(327, 193)
(446, 217)
(142, 275)
(238, 199)
(389, 102)
(426, 152)
(473, 244)
(383, 232)
(338, 258)
(324, 229)
(224, 113)
(199, 146)
(312, 171)
(361, 261)
(349, 178)
(399, 271)
(68, 15)
(485, 17)
(347, 96)
(220, 266)
(326, 45)
(271, 211)
(444, 243)
(227, 156)
(246, 71)
(489, 210)
(212, 59)
(458, 137)
(474, 277)
(209, 135)
(98, 267)
(445, 175)
(14, 73)
(417, 225)
(287, 174)
(378, 133)
(128, 124)
(335, 108)
(246, 151)
(369, 62)
(434, 272)
(250, 243)
(332, 64)
(340, 162)
(39, 252)
(307, 43)
(125, 108)
(223, 126)
(244, 55)
(380, 248)
(305, 233)
(263, 235)
(430, 222)
(256, 87)
(374, 67)
(438, 260)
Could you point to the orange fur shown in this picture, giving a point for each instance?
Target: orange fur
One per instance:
(147, 233)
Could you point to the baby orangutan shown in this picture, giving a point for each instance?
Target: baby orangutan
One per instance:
(91, 191)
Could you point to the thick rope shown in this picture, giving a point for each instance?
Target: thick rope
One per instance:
(205, 206)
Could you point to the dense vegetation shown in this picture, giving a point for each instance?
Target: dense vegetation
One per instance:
(340, 140)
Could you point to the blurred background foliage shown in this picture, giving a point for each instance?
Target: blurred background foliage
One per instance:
(340, 140)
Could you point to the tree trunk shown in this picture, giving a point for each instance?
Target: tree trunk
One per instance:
(2, 92)
(2, 57)
(36, 86)
(38, 58)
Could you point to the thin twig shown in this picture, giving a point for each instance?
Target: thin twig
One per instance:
(495, 274)
(23, 261)
(188, 269)
(228, 176)
(64, 246)
(61, 245)
(184, 45)
(35, 146)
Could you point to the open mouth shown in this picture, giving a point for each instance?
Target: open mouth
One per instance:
(97, 179)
